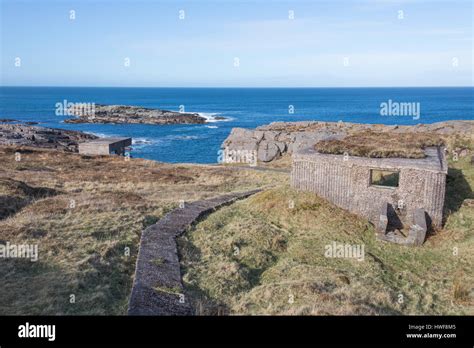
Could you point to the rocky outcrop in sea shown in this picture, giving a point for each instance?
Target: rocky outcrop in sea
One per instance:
(130, 114)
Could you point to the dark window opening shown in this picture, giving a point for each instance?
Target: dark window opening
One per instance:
(387, 178)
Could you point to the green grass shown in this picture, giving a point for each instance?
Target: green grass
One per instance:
(168, 290)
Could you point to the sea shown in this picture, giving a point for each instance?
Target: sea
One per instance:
(241, 107)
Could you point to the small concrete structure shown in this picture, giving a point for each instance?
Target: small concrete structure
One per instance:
(105, 146)
(347, 181)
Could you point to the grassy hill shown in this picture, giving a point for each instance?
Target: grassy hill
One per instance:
(86, 216)
(266, 255)
(262, 255)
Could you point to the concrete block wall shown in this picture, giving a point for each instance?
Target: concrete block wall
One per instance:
(346, 183)
(94, 149)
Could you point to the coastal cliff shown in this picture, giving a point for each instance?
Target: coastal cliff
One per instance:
(131, 114)
(280, 138)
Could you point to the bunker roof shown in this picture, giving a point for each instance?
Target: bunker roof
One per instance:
(434, 161)
(109, 141)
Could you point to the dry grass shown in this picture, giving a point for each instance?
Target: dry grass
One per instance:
(381, 144)
(262, 255)
(86, 215)
(283, 162)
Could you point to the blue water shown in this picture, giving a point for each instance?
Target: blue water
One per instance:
(244, 107)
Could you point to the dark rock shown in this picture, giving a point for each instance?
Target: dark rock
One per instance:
(35, 136)
(119, 114)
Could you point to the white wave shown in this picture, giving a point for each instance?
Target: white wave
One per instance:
(182, 137)
(142, 141)
(101, 135)
(212, 127)
(211, 116)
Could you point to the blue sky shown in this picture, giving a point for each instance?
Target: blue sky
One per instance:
(328, 43)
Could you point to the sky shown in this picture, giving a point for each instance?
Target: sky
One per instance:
(236, 43)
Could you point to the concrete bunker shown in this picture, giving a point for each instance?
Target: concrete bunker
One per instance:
(396, 194)
(105, 146)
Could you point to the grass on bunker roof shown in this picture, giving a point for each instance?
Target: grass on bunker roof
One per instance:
(381, 144)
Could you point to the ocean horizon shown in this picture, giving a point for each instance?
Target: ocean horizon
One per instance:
(247, 107)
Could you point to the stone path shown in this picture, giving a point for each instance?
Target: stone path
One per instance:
(157, 288)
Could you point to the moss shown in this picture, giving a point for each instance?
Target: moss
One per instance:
(168, 290)
(149, 220)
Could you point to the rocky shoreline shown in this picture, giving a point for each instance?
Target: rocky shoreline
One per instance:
(43, 137)
(279, 138)
(121, 114)
(269, 142)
